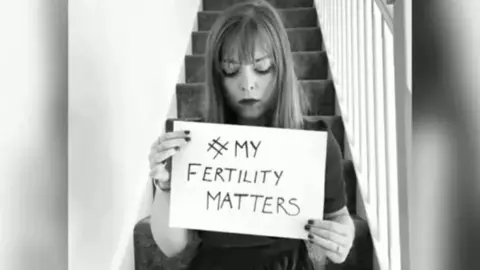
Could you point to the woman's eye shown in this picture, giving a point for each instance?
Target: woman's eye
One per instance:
(264, 66)
(230, 69)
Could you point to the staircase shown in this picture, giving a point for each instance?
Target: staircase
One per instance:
(311, 67)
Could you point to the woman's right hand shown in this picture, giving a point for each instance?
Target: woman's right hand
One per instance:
(162, 149)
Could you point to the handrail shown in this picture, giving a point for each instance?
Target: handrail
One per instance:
(387, 11)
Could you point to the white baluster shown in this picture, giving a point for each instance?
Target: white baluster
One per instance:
(392, 184)
(348, 70)
(370, 72)
(355, 89)
(370, 93)
(381, 119)
(364, 123)
(341, 94)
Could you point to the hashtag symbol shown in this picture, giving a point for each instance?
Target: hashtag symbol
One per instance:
(216, 143)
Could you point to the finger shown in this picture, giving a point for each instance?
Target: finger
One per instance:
(330, 226)
(161, 158)
(160, 173)
(172, 144)
(178, 134)
(158, 162)
(169, 136)
(326, 244)
(331, 236)
(164, 185)
(335, 252)
(335, 257)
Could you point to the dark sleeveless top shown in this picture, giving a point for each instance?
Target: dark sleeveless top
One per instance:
(219, 250)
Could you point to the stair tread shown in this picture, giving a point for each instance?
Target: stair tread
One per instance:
(290, 29)
(223, 4)
(300, 39)
(191, 98)
(301, 81)
(307, 65)
(294, 53)
(324, 86)
(278, 9)
(291, 17)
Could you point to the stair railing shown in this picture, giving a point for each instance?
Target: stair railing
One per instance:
(365, 44)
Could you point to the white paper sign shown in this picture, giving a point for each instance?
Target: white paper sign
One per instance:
(249, 180)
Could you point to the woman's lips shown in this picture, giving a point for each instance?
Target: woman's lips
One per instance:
(249, 101)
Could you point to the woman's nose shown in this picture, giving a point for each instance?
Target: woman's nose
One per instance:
(247, 82)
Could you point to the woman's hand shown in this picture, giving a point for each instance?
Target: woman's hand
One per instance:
(162, 149)
(333, 236)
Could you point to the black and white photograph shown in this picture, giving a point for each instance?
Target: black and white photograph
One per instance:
(239, 135)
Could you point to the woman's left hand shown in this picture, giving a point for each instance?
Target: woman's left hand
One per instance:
(334, 237)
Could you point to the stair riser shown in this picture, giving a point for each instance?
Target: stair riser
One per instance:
(191, 99)
(308, 66)
(302, 39)
(298, 17)
(350, 179)
(223, 4)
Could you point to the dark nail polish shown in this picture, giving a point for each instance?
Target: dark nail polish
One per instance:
(177, 148)
(310, 236)
(187, 139)
(310, 221)
(187, 132)
(307, 227)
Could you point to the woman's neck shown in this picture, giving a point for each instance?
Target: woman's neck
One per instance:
(262, 121)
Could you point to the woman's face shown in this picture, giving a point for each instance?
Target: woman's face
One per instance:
(249, 86)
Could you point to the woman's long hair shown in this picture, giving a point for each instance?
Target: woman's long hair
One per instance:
(238, 30)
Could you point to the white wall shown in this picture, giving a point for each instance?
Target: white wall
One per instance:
(33, 134)
(125, 58)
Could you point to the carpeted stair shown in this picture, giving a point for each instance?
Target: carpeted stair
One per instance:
(311, 67)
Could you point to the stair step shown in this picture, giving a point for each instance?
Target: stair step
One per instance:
(350, 178)
(311, 65)
(148, 255)
(191, 98)
(334, 123)
(291, 17)
(301, 39)
(223, 4)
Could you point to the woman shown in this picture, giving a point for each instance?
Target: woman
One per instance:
(250, 80)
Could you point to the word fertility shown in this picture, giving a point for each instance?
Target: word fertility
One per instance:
(219, 174)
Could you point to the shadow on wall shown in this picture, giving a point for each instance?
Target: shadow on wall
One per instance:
(33, 143)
